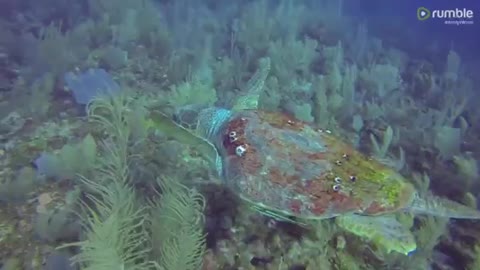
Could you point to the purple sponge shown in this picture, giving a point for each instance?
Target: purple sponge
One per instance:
(89, 84)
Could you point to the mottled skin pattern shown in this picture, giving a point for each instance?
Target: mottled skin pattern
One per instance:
(286, 168)
(282, 164)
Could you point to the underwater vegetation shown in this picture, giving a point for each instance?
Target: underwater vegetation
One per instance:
(204, 135)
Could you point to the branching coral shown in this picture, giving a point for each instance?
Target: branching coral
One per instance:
(116, 234)
(177, 226)
(70, 160)
(111, 116)
(382, 79)
(291, 56)
(192, 92)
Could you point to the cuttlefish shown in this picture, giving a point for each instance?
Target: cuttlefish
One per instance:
(291, 170)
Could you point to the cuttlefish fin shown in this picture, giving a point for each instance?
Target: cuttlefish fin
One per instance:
(253, 88)
(164, 124)
(441, 207)
(384, 231)
(276, 215)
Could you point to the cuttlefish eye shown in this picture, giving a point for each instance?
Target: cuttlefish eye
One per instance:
(240, 150)
(233, 136)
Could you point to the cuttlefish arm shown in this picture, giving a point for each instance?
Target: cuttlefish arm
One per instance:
(385, 231)
(430, 204)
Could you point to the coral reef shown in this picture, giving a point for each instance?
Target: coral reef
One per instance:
(90, 180)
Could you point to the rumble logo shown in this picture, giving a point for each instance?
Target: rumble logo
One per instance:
(423, 13)
(455, 16)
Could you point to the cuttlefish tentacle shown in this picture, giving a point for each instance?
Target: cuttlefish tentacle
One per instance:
(437, 206)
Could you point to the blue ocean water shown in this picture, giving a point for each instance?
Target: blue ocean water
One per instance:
(403, 14)
(158, 134)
